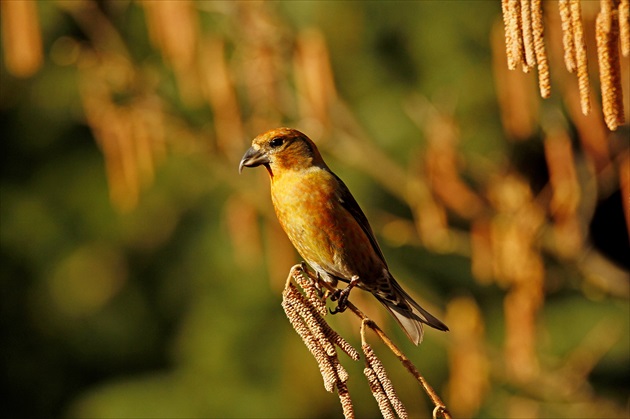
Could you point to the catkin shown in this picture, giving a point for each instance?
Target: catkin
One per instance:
(374, 365)
(325, 362)
(580, 55)
(311, 291)
(567, 35)
(346, 401)
(528, 37)
(607, 34)
(343, 344)
(379, 394)
(311, 318)
(544, 83)
(624, 26)
(513, 32)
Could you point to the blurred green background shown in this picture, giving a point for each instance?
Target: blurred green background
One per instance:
(142, 276)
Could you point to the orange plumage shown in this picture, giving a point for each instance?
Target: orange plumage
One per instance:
(327, 226)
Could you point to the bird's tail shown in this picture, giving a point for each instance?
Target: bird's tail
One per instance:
(409, 315)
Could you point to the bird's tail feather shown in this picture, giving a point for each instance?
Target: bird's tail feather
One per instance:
(411, 326)
(409, 315)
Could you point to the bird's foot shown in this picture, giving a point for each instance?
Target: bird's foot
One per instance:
(341, 296)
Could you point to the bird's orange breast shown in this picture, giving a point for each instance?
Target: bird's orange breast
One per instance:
(321, 229)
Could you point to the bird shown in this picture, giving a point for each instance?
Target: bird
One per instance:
(328, 228)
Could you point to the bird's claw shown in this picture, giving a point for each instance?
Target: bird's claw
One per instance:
(341, 296)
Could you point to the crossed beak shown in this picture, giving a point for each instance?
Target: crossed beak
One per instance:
(252, 158)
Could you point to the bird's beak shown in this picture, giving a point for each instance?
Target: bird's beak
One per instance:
(253, 158)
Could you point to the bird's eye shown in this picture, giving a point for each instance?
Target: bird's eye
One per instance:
(276, 142)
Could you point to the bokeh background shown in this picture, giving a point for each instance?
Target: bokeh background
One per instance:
(142, 276)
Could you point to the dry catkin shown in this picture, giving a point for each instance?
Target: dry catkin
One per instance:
(312, 309)
(624, 27)
(379, 394)
(539, 46)
(342, 374)
(343, 344)
(567, 35)
(346, 401)
(609, 65)
(312, 293)
(605, 9)
(580, 55)
(528, 37)
(508, 34)
(312, 319)
(513, 32)
(374, 364)
(327, 369)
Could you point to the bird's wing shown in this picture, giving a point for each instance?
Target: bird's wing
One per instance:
(350, 204)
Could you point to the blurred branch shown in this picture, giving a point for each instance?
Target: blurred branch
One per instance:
(103, 35)
(21, 37)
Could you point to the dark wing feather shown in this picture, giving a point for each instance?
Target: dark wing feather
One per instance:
(350, 204)
(405, 310)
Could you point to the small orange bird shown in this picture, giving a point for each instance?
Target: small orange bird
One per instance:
(327, 227)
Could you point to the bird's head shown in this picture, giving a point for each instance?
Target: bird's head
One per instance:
(282, 149)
